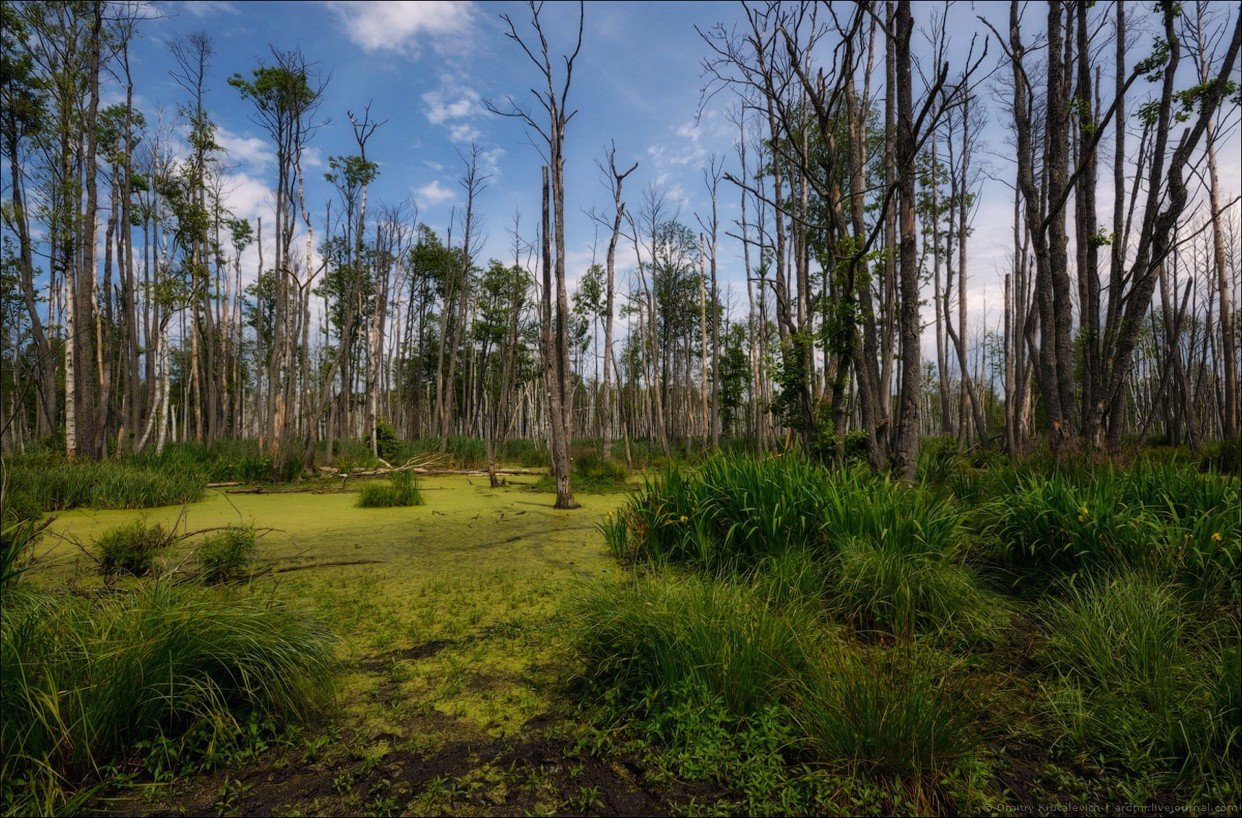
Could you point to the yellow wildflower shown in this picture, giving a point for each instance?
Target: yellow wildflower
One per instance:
(682, 519)
(1216, 536)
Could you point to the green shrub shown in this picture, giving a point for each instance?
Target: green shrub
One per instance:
(725, 516)
(353, 455)
(86, 678)
(879, 586)
(1226, 705)
(1204, 529)
(227, 555)
(400, 490)
(590, 473)
(658, 633)
(16, 540)
(387, 443)
(1055, 526)
(884, 554)
(589, 466)
(1225, 456)
(939, 458)
(132, 548)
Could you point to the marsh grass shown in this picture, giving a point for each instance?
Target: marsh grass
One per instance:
(667, 631)
(47, 483)
(886, 712)
(132, 548)
(738, 681)
(1141, 675)
(883, 555)
(86, 677)
(589, 473)
(400, 490)
(228, 555)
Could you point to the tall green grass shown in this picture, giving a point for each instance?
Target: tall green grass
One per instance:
(132, 548)
(888, 713)
(883, 555)
(1164, 518)
(696, 661)
(1129, 580)
(228, 555)
(667, 631)
(52, 484)
(724, 516)
(471, 452)
(1142, 676)
(86, 678)
(400, 490)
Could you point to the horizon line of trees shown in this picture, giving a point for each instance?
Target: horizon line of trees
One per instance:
(129, 319)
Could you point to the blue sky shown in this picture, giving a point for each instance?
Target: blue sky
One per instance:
(426, 67)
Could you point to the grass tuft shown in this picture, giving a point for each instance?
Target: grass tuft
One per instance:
(400, 490)
(226, 556)
(132, 548)
(85, 678)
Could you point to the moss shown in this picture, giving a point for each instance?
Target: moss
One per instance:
(447, 621)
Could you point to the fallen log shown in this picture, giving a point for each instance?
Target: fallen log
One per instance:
(284, 569)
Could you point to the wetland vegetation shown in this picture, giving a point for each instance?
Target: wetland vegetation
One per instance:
(792, 407)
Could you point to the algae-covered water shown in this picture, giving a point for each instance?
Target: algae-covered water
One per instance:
(448, 618)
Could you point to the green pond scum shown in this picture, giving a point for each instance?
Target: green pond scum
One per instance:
(448, 616)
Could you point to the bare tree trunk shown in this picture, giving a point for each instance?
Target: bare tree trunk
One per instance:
(906, 445)
(618, 210)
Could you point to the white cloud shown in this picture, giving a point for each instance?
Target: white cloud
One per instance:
(464, 132)
(399, 25)
(451, 101)
(433, 193)
(204, 8)
(312, 158)
(456, 107)
(245, 150)
(246, 196)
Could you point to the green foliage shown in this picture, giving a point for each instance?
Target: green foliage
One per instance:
(885, 712)
(16, 540)
(386, 440)
(588, 465)
(1061, 525)
(400, 490)
(884, 555)
(49, 483)
(132, 548)
(790, 404)
(1166, 518)
(225, 461)
(226, 556)
(590, 473)
(883, 586)
(724, 516)
(85, 679)
(1135, 677)
(1223, 456)
(734, 682)
(666, 632)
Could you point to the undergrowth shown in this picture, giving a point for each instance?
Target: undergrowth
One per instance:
(879, 624)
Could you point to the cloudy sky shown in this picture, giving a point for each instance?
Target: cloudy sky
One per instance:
(425, 67)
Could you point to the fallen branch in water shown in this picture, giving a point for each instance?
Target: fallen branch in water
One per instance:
(284, 569)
